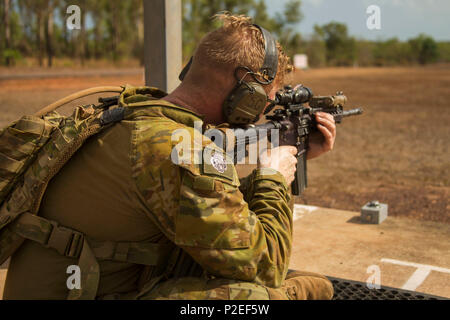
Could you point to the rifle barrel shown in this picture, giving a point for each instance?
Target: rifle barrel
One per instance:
(352, 112)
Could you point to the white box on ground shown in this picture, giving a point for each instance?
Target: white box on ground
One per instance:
(374, 212)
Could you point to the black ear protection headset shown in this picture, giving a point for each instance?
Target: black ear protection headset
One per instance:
(247, 100)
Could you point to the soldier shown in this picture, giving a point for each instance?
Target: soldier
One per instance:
(209, 235)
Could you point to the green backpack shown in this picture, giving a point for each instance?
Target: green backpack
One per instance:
(32, 151)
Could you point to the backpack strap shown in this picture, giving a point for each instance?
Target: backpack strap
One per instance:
(74, 244)
(18, 215)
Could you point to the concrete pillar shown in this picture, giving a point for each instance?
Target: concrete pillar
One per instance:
(162, 43)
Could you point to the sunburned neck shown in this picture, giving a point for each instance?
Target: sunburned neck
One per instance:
(203, 103)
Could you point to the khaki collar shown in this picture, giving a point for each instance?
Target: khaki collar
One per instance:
(138, 103)
(158, 107)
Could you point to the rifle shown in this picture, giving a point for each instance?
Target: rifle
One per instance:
(296, 122)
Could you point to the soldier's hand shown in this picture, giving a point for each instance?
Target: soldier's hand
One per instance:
(322, 141)
(281, 159)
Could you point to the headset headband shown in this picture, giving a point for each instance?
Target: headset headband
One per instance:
(270, 64)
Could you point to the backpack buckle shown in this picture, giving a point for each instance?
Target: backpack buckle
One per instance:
(66, 241)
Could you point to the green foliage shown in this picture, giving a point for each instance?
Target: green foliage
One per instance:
(114, 30)
(292, 12)
(197, 20)
(285, 27)
(392, 52)
(316, 51)
(341, 48)
(110, 29)
(424, 49)
(10, 55)
(444, 51)
(364, 53)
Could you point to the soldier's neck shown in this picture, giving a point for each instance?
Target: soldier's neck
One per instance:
(206, 104)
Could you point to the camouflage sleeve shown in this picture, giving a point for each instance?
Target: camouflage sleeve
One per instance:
(200, 208)
(232, 238)
(245, 183)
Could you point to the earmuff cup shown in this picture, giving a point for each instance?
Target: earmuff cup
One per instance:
(245, 103)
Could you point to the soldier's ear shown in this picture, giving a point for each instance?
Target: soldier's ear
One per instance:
(185, 70)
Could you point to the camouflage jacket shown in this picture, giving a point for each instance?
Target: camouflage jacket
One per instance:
(123, 185)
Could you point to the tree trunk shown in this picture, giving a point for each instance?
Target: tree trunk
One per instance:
(82, 36)
(140, 34)
(6, 4)
(115, 27)
(40, 31)
(49, 35)
(66, 38)
(97, 37)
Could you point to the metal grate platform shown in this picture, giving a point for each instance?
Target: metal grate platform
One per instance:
(354, 290)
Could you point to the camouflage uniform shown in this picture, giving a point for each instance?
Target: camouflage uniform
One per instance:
(123, 185)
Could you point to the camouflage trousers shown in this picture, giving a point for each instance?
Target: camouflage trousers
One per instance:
(298, 285)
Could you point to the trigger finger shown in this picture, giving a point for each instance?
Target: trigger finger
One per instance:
(325, 131)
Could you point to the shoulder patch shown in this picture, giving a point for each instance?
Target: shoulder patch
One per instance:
(216, 163)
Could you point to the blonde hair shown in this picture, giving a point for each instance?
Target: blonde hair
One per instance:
(238, 43)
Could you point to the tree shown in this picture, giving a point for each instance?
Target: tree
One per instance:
(7, 34)
(98, 10)
(341, 48)
(365, 52)
(285, 27)
(197, 22)
(424, 49)
(197, 15)
(39, 7)
(316, 51)
(114, 30)
(34, 10)
(444, 51)
(49, 32)
(392, 52)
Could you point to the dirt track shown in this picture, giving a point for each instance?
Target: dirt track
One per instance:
(397, 152)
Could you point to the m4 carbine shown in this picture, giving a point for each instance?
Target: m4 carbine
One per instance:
(296, 122)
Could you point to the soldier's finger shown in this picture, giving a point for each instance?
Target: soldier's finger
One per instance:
(326, 119)
(329, 138)
(293, 160)
(329, 124)
(290, 149)
(326, 115)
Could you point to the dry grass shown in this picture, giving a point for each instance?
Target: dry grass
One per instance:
(397, 152)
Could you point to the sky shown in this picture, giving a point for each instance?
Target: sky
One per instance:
(403, 19)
